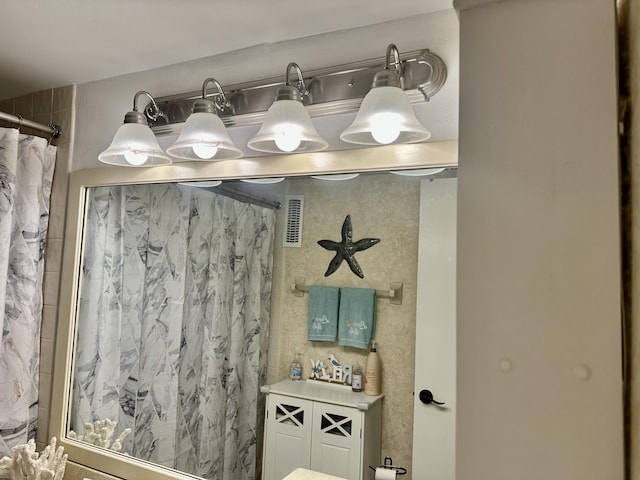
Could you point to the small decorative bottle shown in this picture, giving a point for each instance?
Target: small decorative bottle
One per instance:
(296, 368)
(356, 379)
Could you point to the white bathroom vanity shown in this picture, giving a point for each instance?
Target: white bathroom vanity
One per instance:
(320, 426)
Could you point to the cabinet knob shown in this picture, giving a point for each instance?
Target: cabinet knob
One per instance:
(426, 397)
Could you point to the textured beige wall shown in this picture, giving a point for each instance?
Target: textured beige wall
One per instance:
(382, 206)
(50, 106)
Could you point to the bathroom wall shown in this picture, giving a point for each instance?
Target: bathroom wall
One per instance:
(50, 106)
(384, 263)
(112, 98)
(382, 206)
(539, 296)
(520, 137)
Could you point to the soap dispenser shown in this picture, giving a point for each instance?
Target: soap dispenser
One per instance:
(296, 368)
(372, 372)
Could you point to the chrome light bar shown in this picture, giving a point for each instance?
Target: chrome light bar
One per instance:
(332, 90)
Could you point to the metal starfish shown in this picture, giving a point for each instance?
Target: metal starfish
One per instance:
(346, 249)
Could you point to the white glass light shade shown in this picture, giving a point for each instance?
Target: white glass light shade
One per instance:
(419, 172)
(202, 183)
(287, 128)
(336, 177)
(385, 117)
(204, 138)
(263, 181)
(134, 145)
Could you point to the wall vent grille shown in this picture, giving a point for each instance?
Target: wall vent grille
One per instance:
(294, 206)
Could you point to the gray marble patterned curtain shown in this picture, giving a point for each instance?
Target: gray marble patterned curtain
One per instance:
(26, 171)
(173, 324)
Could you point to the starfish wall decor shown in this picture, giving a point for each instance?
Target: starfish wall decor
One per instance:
(346, 249)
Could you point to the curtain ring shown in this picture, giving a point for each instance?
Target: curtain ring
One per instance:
(19, 121)
(55, 133)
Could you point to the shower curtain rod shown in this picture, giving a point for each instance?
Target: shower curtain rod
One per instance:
(51, 129)
(245, 197)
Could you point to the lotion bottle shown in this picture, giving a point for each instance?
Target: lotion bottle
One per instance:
(372, 372)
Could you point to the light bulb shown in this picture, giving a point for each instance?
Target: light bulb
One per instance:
(385, 127)
(288, 137)
(135, 158)
(204, 151)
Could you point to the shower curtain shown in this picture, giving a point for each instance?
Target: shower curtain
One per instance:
(26, 172)
(173, 324)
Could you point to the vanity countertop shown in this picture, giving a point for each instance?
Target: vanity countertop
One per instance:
(324, 392)
(304, 474)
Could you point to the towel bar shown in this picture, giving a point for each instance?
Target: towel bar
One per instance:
(394, 293)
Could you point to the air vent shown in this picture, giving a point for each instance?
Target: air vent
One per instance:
(294, 205)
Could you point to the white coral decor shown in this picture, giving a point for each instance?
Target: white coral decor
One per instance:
(100, 433)
(27, 464)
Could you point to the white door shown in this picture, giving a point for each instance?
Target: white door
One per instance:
(434, 426)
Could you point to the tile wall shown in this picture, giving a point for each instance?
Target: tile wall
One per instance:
(49, 106)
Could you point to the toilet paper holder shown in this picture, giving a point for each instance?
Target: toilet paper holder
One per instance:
(388, 464)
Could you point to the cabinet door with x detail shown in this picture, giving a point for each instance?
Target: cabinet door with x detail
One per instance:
(336, 440)
(288, 436)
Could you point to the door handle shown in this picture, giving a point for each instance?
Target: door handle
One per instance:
(426, 397)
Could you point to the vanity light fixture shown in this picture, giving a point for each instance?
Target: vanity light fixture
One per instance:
(287, 127)
(204, 136)
(385, 115)
(134, 144)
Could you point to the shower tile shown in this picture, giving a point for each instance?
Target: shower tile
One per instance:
(47, 347)
(53, 255)
(63, 98)
(56, 220)
(43, 426)
(44, 391)
(42, 102)
(6, 106)
(44, 118)
(51, 286)
(59, 188)
(63, 155)
(24, 106)
(64, 120)
(49, 321)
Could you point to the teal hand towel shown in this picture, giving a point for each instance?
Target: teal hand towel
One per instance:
(323, 313)
(357, 317)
